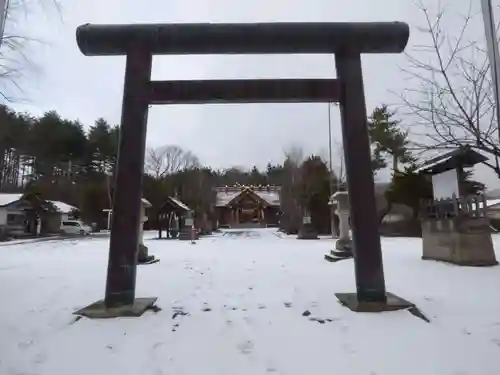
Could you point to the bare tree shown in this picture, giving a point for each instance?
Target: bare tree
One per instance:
(452, 99)
(14, 56)
(166, 160)
(294, 154)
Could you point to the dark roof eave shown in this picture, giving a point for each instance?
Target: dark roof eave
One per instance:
(452, 160)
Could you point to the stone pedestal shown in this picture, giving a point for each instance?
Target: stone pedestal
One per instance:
(343, 246)
(461, 240)
(142, 250)
(142, 254)
(186, 234)
(344, 240)
(307, 231)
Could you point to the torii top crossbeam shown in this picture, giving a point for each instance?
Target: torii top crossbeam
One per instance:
(252, 38)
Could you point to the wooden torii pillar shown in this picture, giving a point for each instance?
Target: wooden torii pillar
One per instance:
(347, 41)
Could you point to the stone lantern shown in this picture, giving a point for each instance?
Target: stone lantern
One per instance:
(343, 245)
(142, 252)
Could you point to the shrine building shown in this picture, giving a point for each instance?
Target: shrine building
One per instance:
(241, 206)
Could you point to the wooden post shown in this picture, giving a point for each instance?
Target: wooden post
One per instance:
(369, 272)
(159, 225)
(126, 217)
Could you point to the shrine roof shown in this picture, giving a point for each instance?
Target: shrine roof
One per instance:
(63, 208)
(6, 199)
(460, 157)
(269, 194)
(174, 204)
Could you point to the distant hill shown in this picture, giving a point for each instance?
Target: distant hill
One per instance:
(493, 194)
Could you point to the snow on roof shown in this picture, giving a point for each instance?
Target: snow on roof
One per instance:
(62, 207)
(492, 202)
(272, 198)
(271, 194)
(461, 156)
(146, 203)
(430, 165)
(6, 199)
(180, 204)
(224, 198)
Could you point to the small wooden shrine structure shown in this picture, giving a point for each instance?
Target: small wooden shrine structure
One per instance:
(171, 217)
(455, 227)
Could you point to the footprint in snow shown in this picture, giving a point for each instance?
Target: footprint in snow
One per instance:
(40, 358)
(179, 311)
(25, 344)
(349, 349)
(246, 347)
(321, 320)
(157, 345)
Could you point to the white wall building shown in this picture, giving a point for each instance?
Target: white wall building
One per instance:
(12, 213)
(16, 220)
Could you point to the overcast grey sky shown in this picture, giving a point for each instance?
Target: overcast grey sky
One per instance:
(86, 88)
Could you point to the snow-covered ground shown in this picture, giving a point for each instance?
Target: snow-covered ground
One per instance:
(242, 299)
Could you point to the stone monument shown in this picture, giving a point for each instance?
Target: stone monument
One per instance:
(187, 232)
(343, 245)
(307, 231)
(455, 227)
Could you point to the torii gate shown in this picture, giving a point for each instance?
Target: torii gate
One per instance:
(347, 41)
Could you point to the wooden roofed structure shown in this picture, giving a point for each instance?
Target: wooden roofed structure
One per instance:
(447, 171)
(171, 216)
(462, 157)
